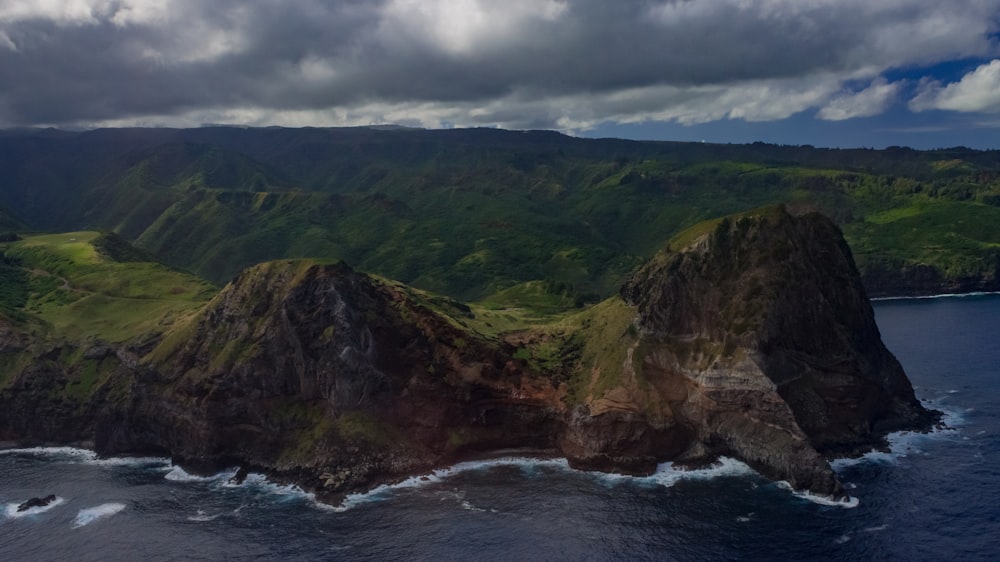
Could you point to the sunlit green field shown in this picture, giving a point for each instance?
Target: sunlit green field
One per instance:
(70, 288)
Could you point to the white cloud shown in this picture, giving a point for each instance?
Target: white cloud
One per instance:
(761, 101)
(540, 63)
(977, 91)
(61, 11)
(873, 100)
(460, 27)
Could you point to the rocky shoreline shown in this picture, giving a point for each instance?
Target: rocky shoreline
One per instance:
(753, 340)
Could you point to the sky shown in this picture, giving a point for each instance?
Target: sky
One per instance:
(870, 73)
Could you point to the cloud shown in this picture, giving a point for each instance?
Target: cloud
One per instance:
(977, 91)
(544, 63)
(873, 100)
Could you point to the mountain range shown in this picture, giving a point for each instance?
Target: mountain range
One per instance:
(473, 213)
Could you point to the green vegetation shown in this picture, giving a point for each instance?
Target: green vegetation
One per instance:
(959, 238)
(514, 220)
(511, 219)
(357, 425)
(63, 282)
(90, 375)
(606, 333)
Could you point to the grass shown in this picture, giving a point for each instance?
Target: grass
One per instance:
(539, 296)
(950, 235)
(606, 332)
(80, 293)
(361, 426)
(470, 214)
(91, 374)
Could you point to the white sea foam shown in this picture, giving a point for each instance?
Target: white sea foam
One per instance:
(72, 452)
(940, 296)
(847, 502)
(10, 510)
(902, 444)
(469, 507)
(178, 474)
(201, 517)
(665, 475)
(136, 462)
(86, 456)
(91, 514)
(260, 482)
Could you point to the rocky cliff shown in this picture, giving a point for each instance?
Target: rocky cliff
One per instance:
(750, 337)
(766, 322)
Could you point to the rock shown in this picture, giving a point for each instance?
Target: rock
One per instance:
(36, 502)
(240, 477)
(751, 337)
(766, 322)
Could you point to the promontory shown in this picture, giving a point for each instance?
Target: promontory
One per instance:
(749, 336)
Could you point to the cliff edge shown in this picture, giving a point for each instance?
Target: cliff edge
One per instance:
(763, 319)
(750, 337)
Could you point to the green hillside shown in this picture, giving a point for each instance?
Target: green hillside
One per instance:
(478, 212)
(67, 285)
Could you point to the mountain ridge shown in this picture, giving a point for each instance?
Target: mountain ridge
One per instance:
(339, 380)
(471, 212)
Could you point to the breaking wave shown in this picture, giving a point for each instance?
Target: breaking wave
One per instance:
(91, 514)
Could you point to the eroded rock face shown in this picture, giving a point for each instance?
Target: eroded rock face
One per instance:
(755, 340)
(767, 323)
(332, 378)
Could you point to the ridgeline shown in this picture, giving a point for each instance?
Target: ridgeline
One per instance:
(749, 336)
(476, 212)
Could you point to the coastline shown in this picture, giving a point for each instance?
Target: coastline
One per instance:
(666, 474)
(936, 296)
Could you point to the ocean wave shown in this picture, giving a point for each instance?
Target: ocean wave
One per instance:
(178, 474)
(666, 475)
(261, 483)
(133, 462)
(902, 444)
(848, 502)
(202, 517)
(59, 452)
(86, 456)
(436, 476)
(89, 515)
(10, 510)
(939, 296)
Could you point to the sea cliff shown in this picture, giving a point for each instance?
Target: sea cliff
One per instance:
(750, 336)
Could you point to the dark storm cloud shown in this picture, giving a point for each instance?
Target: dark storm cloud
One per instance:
(563, 64)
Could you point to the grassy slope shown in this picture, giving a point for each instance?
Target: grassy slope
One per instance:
(70, 288)
(474, 213)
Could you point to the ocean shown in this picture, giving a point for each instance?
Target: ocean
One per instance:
(931, 497)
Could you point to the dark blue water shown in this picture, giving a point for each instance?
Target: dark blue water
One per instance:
(932, 498)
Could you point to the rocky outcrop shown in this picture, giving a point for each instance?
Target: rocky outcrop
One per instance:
(763, 319)
(754, 340)
(332, 378)
(36, 502)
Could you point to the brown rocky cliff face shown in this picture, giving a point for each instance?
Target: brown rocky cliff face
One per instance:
(332, 378)
(756, 341)
(766, 320)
